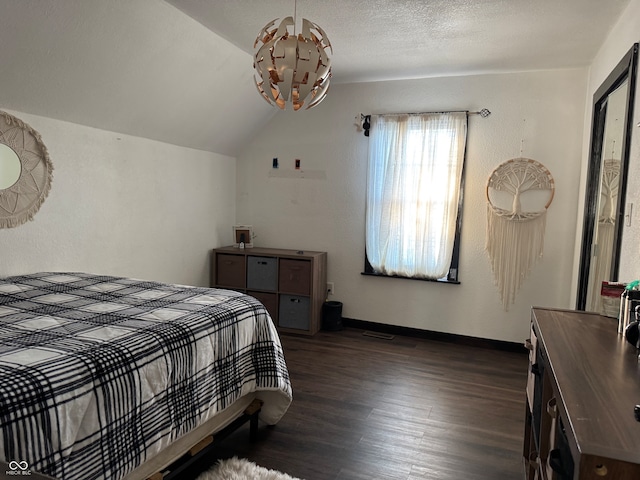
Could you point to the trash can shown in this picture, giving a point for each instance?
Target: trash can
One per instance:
(332, 315)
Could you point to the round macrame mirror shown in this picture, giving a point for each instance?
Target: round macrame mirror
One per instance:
(25, 171)
(519, 192)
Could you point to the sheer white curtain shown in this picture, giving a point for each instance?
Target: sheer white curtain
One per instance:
(413, 188)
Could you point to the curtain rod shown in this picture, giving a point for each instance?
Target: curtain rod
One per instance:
(365, 120)
(484, 113)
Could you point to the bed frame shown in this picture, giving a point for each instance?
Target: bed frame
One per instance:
(190, 448)
(187, 450)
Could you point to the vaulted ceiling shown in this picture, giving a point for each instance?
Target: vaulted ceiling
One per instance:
(399, 39)
(180, 71)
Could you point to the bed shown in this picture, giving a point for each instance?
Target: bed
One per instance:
(105, 377)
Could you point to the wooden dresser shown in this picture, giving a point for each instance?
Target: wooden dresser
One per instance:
(583, 384)
(290, 283)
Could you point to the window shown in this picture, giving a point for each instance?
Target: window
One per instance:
(414, 195)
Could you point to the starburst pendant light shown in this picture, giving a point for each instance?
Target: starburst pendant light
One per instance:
(292, 69)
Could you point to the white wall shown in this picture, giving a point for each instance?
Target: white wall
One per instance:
(126, 206)
(543, 109)
(141, 67)
(623, 35)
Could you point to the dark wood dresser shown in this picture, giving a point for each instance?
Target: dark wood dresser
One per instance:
(583, 384)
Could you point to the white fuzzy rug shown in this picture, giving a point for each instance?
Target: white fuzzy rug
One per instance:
(242, 469)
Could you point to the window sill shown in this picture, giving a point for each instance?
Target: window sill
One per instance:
(371, 274)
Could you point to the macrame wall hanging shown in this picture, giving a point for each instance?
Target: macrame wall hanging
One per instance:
(26, 171)
(519, 191)
(604, 233)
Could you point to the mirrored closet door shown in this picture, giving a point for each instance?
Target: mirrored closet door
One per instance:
(606, 181)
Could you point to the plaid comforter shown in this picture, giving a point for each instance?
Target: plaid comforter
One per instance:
(100, 373)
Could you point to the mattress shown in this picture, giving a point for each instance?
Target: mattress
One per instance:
(98, 374)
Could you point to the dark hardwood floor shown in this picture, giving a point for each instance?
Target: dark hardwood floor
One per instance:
(407, 408)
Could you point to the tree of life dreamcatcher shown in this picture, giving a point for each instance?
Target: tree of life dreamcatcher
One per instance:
(519, 192)
(604, 233)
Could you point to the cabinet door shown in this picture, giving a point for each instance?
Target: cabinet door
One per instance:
(295, 276)
(561, 462)
(230, 270)
(531, 345)
(552, 412)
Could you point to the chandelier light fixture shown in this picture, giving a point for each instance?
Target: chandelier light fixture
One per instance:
(292, 69)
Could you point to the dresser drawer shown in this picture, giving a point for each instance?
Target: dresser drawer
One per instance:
(269, 300)
(293, 312)
(230, 270)
(531, 344)
(262, 273)
(295, 276)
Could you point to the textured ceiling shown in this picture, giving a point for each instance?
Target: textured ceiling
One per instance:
(180, 71)
(397, 39)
